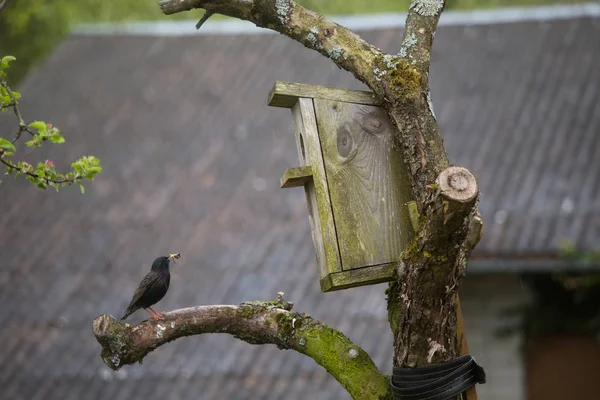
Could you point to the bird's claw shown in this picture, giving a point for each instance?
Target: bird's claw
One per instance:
(158, 316)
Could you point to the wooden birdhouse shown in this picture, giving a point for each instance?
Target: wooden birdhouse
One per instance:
(357, 186)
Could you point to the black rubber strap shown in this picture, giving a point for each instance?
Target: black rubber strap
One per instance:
(436, 382)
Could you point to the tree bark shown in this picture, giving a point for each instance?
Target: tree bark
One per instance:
(422, 300)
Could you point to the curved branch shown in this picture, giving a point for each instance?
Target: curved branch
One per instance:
(344, 47)
(254, 323)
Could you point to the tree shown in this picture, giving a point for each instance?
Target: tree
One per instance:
(423, 299)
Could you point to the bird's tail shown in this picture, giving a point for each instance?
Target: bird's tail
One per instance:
(128, 312)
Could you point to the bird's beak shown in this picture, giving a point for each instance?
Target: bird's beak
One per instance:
(175, 256)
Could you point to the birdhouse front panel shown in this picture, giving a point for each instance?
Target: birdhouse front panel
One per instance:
(356, 183)
(367, 182)
(317, 190)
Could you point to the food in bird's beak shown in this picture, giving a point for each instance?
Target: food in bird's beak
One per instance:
(175, 256)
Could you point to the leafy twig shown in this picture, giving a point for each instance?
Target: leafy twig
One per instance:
(44, 174)
(15, 106)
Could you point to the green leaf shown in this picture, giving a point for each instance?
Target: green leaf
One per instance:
(82, 189)
(36, 141)
(5, 61)
(56, 138)
(6, 144)
(77, 167)
(39, 125)
(8, 153)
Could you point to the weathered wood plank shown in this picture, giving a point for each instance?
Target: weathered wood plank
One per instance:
(320, 213)
(359, 277)
(460, 329)
(471, 393)
(368, 183)
(295, 177)
(285, 94)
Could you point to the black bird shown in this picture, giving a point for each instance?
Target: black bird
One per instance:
(153, 287)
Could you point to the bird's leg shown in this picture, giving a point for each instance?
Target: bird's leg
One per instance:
(149, 312)
(153, 314)
(157, 315)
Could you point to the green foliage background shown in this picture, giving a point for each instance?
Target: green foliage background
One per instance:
(29, 29)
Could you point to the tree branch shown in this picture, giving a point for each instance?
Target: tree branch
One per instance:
(421, 23)
(344, 47)
(255, 323)
(14, 167)
(15, 105)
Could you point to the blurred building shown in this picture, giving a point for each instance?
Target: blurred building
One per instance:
(192, 158)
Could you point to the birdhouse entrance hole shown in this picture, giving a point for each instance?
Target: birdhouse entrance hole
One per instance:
(356, 182)
(302, 150)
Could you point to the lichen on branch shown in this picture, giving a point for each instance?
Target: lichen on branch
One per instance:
(254, 322)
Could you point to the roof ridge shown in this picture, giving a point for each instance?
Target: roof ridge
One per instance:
(354, 22)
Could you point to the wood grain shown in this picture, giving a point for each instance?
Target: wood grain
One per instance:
(320, 213)
(368, 183)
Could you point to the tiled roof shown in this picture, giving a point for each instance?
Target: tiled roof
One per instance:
(192, 158)
(519, 105)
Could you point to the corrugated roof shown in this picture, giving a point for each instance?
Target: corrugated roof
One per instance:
(192, 158)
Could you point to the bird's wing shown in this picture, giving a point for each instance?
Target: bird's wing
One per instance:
(148, 281)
